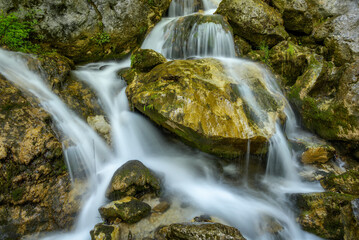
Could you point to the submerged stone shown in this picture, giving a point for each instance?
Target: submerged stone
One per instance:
(201, 102)
(132, 179)
(198, 231)
(129, 210)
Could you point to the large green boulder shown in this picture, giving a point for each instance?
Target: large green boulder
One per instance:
(254, 21)
(200, 102)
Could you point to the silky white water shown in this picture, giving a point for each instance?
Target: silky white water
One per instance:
(188, 174)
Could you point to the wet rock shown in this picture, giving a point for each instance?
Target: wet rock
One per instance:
(254, 21)
(242, 46)
(187, 37)
(103, 231)
(129, 210)
(199, 102)
(94, 29)
(347, 183)
(317, 155)
(162, 207)
(197, 231)
(296, 16)
(203, 218)
(146, 59)
(34, 184)
(132, 179)
(328, 215)
(100, 125)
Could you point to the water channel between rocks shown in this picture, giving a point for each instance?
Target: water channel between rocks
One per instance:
(189, 176)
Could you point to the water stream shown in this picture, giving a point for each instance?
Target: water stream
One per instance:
(188, 173)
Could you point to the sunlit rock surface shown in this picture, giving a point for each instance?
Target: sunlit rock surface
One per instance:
(200, 102)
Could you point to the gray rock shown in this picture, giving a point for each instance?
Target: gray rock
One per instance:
(254, 21)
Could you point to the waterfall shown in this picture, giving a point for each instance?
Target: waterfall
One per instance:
(188, 173)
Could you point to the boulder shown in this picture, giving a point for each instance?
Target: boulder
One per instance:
(128, 209)
(254, 21)
(200, 101)
(327, 98)
(93, 29)
(132, 179)
(328, 215)
(200, 231)
(347, 183)
(146, 59)
(103, 231)
(295, 14)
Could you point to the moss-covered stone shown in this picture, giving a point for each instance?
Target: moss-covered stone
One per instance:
(328, 215)
(129, 210)
(199, 102)
(146, 59)
(200, 231)
(254, 21)
(132, 179)
(347, 183)
(103, 231)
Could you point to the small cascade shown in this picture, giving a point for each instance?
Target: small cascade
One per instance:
(192, 36)
(184, 7)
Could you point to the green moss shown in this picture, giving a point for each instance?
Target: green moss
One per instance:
(18, 193)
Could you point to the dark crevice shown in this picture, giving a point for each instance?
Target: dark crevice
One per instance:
(98, 14)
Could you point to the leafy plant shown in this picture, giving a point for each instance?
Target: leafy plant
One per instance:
(15, 33)
(265, 48)
(102, 38)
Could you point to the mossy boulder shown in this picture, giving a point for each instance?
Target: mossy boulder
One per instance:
(347, 183)
(328, 215)
(200, 102)
(295, 14)
(103, 231)
(129, 210)
(132, 179)
(200, 231)
(254, 21)
(146, 59)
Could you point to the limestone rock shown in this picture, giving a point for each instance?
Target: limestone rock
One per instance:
(347, 183)
(140, 59)
(132, 179)
(105, 232)
(100, 125)
(200, 102)
(93, 29)
(328, 215)
(34, 184)
(129, 210)
(254, 20)
(200, 231)
(296, 16)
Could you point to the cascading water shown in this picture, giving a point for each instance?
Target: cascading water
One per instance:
(187, 173)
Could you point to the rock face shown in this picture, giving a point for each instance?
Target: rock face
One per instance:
(254, 21)
(94, 29)
(35, 189)
(200, 231)
(201, 103)
(129, 210)
(346, 183)
(328, 215)
(132, 179)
